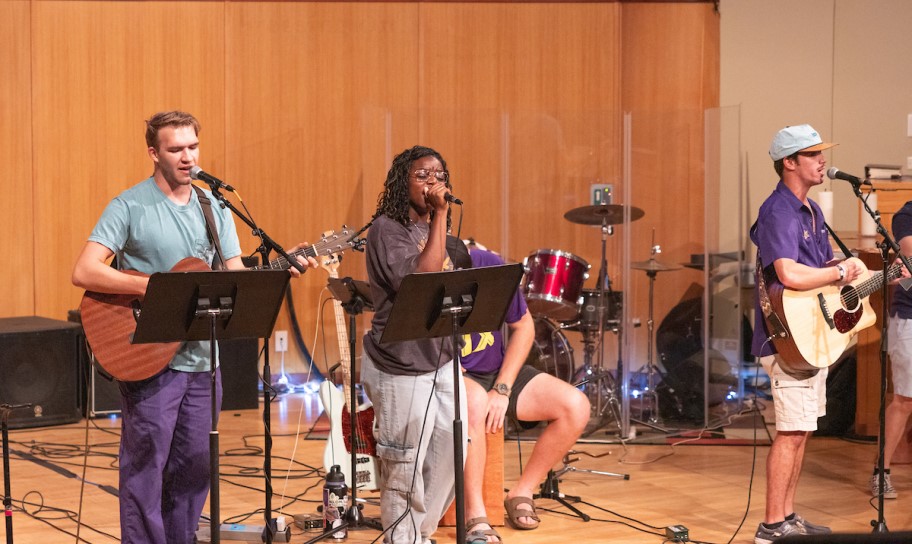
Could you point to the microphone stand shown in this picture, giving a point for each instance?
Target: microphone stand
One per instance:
(5, 410)
(267, 245)
(886, 245)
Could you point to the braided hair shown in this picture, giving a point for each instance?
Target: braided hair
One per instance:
(394, 200)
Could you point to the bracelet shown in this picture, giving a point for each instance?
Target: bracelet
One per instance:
(842, 271)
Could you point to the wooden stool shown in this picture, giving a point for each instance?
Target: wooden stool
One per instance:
(493, 483)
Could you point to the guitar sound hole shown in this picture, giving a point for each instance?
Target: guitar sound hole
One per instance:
(849, 299)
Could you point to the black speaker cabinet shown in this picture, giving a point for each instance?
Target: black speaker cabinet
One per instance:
(240, 379)
(40, 361)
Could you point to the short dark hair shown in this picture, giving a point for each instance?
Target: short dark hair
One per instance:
(779, 165)
(168, 119)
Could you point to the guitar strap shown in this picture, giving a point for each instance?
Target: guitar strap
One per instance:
(773, 323)
(211, 230)
(842, 247)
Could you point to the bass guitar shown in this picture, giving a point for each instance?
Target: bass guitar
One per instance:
(109, 320)
(821, 323)
(340, 442)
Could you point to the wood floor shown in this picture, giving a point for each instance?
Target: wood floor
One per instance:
(706, 488)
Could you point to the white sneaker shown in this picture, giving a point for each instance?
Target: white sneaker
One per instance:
(889, 490)
(765, 535)
(808, 528)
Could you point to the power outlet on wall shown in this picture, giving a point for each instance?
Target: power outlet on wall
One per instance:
(281, 341)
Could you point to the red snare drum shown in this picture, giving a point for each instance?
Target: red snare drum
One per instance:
(553, 283)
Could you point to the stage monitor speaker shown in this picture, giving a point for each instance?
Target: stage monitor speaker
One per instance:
(40, 361)
(240, 378)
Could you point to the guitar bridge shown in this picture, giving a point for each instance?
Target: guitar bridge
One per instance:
(825, 311)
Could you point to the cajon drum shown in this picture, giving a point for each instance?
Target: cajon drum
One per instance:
(493, 490)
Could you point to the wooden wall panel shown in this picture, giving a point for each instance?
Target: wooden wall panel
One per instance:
(92, 89)
(527, 113)
(17, 279)
(310, 90)
(303, 104)
(670, 77)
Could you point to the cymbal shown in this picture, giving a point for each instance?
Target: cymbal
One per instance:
(653, 265)
(610, 214)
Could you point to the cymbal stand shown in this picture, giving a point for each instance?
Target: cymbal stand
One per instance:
(600, 385)
(651, 369)
(609, 401)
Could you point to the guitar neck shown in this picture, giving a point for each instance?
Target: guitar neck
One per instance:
(332, 242)
(874, 283)
(344, 352)
(283, 264)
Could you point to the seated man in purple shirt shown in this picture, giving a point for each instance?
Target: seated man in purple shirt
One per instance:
(501, 384)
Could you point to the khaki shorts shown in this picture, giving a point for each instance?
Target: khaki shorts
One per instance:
(798, 403)
(899, 337)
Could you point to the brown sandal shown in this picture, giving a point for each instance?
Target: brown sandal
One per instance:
(480, 535)
(513, 514)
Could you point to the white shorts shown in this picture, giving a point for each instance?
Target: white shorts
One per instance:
(899, 338)
(798, 403)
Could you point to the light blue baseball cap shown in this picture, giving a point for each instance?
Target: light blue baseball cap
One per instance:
(794, 139)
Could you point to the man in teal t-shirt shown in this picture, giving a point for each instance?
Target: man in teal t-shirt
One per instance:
(164, 447)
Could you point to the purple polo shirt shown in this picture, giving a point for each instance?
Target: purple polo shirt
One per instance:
(784, 230)
(483, 352)
(901, 304)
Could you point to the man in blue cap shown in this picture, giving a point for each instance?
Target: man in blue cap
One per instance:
(793, 248)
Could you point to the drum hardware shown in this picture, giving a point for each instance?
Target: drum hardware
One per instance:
(570, 468)
(652, 267)
(606, 398)
(599, 385)
(550, 487)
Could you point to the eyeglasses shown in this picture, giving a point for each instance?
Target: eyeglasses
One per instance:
(424, 175)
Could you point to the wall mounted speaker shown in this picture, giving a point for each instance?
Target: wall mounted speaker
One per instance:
(40, 361)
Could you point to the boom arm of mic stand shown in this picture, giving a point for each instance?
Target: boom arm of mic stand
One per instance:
(268, 243)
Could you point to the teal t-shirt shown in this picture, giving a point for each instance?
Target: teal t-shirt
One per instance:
(149, 233)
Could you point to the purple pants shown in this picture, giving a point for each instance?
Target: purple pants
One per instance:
(164, 456)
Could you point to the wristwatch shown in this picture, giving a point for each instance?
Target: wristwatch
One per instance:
(842, 271)
(502, 388)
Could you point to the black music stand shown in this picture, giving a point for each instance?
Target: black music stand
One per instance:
(438, 304)
(222, 305)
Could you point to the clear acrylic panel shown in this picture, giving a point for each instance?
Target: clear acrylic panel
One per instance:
(521, 172)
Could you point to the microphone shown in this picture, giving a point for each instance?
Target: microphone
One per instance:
(835, 173)
(197, 173)
(450, 198)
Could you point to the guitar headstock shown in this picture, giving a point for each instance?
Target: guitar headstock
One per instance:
(334, 242)
(331, 263)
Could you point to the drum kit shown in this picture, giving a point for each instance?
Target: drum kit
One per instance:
(553, 289)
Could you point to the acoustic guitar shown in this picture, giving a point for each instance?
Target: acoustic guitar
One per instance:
(820, 323)
(109, 320)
